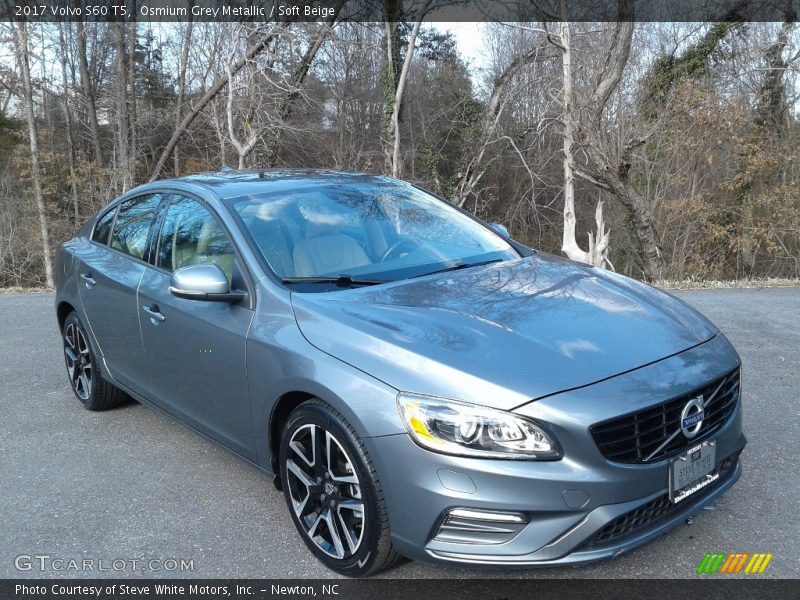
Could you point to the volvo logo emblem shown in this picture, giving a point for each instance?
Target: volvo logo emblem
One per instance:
(692, 417)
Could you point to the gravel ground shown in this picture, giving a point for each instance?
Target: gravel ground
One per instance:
(131, 484)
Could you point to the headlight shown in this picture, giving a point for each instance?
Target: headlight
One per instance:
(464, 429)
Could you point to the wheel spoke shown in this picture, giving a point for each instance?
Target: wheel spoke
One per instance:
(334, 533)
(331, 449)
(86, 372)
(329, 458)
(84, 383)
(349, 536)
(298, 445)
(298, 450)
(299, 473)
(318, 448)
(354, 505)
(313, 529)
(73, 364)
(71, 356)
(69, 336)
(83, 347)
(299, 505)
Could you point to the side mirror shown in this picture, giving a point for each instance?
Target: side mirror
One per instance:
(203, 282)
(501, 229)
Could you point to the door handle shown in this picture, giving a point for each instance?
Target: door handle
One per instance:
(87, 277)
(153, 313)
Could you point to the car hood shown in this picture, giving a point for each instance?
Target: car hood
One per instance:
(502, 334)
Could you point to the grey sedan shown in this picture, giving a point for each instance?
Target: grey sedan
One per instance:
(416, 382)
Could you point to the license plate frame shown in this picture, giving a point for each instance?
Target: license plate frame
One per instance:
(692, 470)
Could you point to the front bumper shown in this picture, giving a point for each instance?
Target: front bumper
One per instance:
(578, 509)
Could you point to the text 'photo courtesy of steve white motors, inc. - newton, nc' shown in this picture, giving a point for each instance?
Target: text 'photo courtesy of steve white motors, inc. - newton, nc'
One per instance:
(175, 590)
(120, 10)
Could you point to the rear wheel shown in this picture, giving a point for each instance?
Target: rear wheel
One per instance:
(85, 377)
(333, 492)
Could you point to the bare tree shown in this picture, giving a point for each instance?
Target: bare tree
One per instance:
(121, 106)
(686, 133)
(184, 62)
(612, 166)
(211, 93)
(73, 185)
(401, 88)
(88, 93)
(21, 38)
(597, 254)
(472, 172)
(293, 88)
(243, 147)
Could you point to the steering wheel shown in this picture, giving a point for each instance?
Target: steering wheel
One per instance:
(397, 248)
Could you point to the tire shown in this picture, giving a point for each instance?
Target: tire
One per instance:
(83, 369)
(312, 491)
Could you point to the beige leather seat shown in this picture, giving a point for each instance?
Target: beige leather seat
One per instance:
(328, 255)
(212, 248)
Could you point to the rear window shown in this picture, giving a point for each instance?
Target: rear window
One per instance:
(132, 227)
(103, 227)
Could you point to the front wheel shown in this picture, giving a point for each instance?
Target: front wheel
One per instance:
(333, 492)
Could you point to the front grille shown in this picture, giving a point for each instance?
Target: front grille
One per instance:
(655, 510)
(642, 437)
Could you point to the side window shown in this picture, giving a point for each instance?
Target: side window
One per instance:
(133, 225)
(191, 235)
(103, 227)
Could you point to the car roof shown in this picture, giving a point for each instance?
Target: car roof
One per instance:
(230, 183)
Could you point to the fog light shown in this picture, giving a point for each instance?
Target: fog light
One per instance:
(476, 526)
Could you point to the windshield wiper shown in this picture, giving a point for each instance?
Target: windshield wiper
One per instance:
(459, 266)
(340, 280)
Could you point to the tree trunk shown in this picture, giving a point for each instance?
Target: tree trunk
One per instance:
(243, 149)
(220, 83)
(187, 40)
(613, 173)
(598, 246)
(21, 35)
(390, 76)
(569, 244)
(68, 122)
(646, 235)
(401, 87)
(88, 94)
(121, 104)
(132, 97)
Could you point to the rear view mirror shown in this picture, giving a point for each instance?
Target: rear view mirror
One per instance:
(203, 282)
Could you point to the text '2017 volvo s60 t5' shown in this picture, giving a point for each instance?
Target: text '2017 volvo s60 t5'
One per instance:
(417, 383)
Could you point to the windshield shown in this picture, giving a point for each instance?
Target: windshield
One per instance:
(370, 232)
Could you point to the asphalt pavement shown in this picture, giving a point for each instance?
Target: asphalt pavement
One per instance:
(130, 485)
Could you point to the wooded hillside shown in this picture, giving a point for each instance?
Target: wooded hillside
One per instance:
(684, 135)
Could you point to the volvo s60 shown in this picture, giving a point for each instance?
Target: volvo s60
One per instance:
(415, 381)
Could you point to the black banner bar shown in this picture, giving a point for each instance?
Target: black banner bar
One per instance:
(723, 588)
(375, 10)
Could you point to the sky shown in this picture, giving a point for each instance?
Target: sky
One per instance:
(469, 38)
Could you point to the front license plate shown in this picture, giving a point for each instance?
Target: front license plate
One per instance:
(692, 471)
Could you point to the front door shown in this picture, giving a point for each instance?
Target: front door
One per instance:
(196, 349)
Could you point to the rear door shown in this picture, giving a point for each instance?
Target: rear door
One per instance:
(110, 268)
(195, 350)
